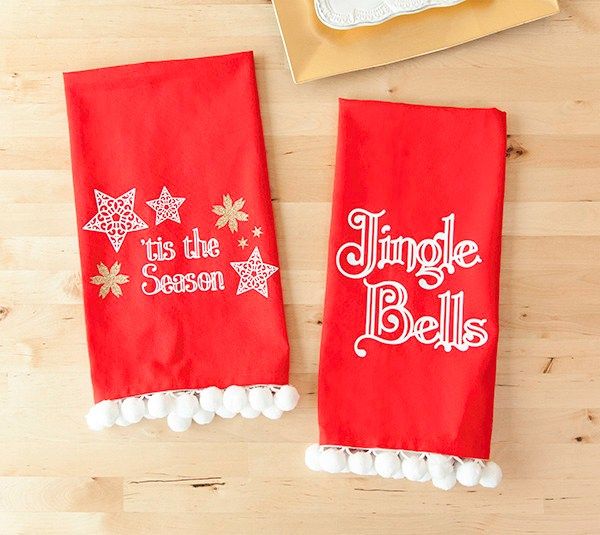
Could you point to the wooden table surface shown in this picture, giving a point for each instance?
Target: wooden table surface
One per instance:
(241, 476)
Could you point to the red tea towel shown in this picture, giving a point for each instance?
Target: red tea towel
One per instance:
(181, 280)
(408, 354)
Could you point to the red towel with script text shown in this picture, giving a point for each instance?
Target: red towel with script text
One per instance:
(410, 330)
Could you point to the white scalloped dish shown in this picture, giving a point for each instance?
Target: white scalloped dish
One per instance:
(347, 14)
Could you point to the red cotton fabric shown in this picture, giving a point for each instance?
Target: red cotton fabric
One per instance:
(408, 354)
(172, 192)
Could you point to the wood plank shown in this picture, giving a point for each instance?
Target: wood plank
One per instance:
(239, 476)
(77, 494)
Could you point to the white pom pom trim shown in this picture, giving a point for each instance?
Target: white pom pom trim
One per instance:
(444, 471)
(188, 404)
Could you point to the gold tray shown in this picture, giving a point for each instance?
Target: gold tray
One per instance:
(316, 51)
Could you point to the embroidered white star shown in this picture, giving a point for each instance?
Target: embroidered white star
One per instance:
(257, 231)
(242, 243)
(166, 206)
(115, 217)
(253, 274)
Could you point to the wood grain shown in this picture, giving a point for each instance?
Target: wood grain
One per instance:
(248, 477)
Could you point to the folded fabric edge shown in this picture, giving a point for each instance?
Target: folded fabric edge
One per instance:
(444, 471)
(182, 407)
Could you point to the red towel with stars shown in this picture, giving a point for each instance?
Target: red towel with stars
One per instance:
(408, 354)
(181, 279)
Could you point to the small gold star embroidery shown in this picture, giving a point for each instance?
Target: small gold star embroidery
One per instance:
(243, 243)
(257, 231)
(230, 213)
(109, 280)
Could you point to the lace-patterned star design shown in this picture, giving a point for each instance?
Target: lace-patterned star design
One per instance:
(254, 274)
(115, 217)
(166, 206)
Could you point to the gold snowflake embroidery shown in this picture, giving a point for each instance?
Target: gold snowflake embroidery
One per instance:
(109, 280)
(230, 213)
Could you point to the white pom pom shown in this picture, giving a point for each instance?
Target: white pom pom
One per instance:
(438, 458)
(491, 475)
(235, 398)
(399, 474)
(133, 409)
(260, 398)
(203, 417)
(446, 483)
(177, 423)
(211, 398)
(425, 478)
(286, 398)
(109, 412)
(186, 405)
(414, 468)
(249, 412)
(360, 463)
(440, 471)
(387, 463)
(225, 413)
(440, 466)
(121, 422)
(468, 473)
(332, 461)
(102, 414)
(94, 420)
(311, 457)
(272, 412)
(158, 405)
